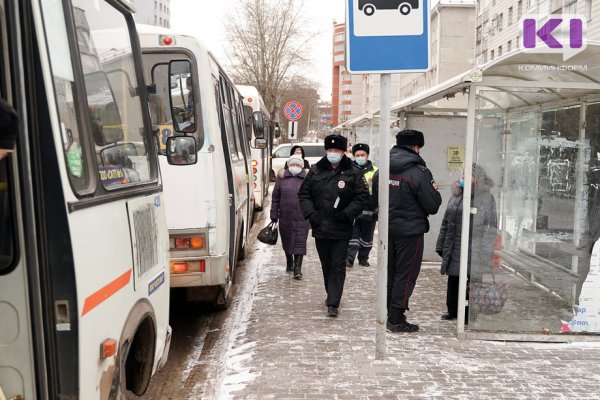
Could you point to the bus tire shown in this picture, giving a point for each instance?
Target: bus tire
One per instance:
(136, 352)
(224, 297)
(272, 176)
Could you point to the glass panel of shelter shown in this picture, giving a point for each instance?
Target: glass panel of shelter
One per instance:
(542, 171)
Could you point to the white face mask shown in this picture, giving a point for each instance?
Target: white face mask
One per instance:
(295, 170)
(334, 158)
(361, 160)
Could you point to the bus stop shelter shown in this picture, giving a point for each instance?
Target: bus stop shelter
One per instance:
(531, 122)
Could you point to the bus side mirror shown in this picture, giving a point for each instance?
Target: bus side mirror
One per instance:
(182, 96)
(181, 150)
(277, 131)
(260, 144)
(258, 122)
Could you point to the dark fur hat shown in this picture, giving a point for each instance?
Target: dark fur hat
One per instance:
(336, 142)
(360, 146)
(410, 137)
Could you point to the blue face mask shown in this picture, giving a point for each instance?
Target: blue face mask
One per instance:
(361, 160)
(334, 158)
(461, 183)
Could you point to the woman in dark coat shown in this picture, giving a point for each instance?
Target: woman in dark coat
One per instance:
(285, 208)
(483, 235)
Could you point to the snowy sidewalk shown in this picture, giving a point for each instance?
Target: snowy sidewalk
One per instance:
(286, 347)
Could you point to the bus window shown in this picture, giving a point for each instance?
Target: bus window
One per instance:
(7, 231)
(76, 150)
(122, 154)
(226, 108)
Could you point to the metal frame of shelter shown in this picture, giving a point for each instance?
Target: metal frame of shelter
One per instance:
(521, 92)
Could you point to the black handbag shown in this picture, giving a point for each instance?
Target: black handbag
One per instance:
(269, 234)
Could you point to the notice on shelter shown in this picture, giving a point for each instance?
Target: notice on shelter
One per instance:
(456, 157)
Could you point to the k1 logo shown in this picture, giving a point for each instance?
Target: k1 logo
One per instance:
(554, 34)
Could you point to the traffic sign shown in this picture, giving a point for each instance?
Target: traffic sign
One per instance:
(293, 130)
(292, 110)
(387, 36)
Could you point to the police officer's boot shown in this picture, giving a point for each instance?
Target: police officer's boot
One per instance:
(290, 262)
(298, 267)
(397, 321)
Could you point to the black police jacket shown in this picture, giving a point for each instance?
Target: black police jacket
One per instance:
(332, 198)
(413, 193)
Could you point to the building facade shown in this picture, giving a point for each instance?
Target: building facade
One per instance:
(153, 12)
(498, 30)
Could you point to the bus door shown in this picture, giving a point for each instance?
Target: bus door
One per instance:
(18, 375)
(236, 181)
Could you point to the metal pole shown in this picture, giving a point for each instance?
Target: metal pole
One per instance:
(384, 190)
(466, 215)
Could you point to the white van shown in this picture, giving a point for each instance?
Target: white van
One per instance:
(209, 204)
(313, 152)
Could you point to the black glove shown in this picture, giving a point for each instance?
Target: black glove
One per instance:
(315, 219)
(274, 220)
(341, 217)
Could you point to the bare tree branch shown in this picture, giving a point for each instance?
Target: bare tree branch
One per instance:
(268, 45)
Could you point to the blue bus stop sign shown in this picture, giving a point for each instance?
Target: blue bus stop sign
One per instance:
(387, 36)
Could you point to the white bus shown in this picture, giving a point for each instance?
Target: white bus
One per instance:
(260, 142)
(209, 204)
(84, 279)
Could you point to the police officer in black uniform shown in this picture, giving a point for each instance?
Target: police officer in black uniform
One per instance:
(332, 195)
(413, 197)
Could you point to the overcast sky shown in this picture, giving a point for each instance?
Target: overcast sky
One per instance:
(204, 19)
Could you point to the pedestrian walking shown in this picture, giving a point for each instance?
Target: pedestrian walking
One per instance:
(413, 197)
(364, 225)
(285, 209)
(332, 195)
(482, 239)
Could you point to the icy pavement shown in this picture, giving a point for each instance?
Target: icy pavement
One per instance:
(285, 347)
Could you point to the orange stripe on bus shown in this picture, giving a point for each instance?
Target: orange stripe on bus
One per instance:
(103, 294)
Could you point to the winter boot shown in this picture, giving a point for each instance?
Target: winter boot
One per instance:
(290, 262)
(298, 267)
(397, 322)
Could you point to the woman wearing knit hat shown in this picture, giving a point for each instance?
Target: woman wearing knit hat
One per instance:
(285, 208)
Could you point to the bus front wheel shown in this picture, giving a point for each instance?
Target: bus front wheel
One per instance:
(369, 10)
(405, 9)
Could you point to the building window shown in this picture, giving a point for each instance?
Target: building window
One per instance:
(499, 51)
(519, 9)
(500, 21)
(339, 37)
(155, 19)
(509, 46)
(155, 5)
(485, 59)
(339, 47)
(588, 9)
(160, 20)
(571, 8)
(510, 16)
(478, 35)
(492, 55)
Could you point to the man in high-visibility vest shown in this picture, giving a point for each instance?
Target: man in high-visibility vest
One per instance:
(364, 225)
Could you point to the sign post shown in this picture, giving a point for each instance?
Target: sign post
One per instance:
(385, 37)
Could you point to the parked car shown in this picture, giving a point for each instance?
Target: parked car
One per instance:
(313, 152)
